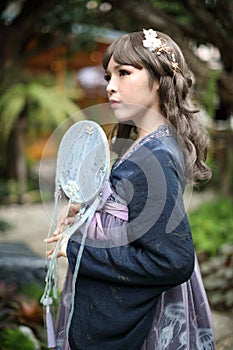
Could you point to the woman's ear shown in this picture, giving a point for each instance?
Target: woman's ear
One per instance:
(156, 85)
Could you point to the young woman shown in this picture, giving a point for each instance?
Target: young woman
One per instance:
(143, 290)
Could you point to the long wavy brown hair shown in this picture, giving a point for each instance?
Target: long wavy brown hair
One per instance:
(175, 82)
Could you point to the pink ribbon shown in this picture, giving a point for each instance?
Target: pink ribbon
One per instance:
(115, 207)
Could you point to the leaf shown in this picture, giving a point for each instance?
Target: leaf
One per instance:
(11, 107)
(44, 107)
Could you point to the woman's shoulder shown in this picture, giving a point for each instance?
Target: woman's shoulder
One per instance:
(160, 151)
(165, 142)
(161, 143)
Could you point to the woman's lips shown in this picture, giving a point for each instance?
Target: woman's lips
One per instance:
(114, 103)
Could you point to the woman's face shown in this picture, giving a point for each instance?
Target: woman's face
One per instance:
(129, 92)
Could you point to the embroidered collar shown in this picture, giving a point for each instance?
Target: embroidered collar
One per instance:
(161, 131)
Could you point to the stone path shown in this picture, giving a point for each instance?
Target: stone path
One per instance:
(30, 224)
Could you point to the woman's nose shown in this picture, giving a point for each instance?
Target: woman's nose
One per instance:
(112, 86)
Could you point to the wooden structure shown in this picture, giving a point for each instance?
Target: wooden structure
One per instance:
(58, 61)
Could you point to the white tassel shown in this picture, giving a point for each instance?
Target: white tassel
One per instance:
(51, 340)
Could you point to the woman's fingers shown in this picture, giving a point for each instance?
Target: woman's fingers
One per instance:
(74, 209)
(63, 245)
(67, 216)
(50, 253)
(62, 251)
(59, 254)
(68, 212)
(52, 239)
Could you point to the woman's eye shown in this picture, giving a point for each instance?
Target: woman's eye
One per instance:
(107, 77)
(123, 72)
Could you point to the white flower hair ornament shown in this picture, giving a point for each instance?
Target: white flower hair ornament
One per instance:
(151, 42)
(155, 44)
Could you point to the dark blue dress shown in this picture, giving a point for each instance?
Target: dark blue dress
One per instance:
(117, 288)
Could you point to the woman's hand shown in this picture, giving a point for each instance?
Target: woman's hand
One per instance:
(63, 245)
(66, 217)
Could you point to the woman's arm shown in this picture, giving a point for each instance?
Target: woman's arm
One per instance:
(160, 249)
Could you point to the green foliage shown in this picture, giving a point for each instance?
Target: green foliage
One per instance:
(5, 226)
(11, 106)
(208, 98)
(11, 339)
(212, 225)
(9, 191)
(32, 290)
(8, 188)
(175, 9)
(21, 307)
(43, 106)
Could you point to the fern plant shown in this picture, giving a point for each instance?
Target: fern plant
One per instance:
(26, 108)
(42, 106)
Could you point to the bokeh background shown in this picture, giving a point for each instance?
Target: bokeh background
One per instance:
(50, 69)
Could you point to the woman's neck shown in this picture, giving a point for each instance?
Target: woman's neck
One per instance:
(148, 124)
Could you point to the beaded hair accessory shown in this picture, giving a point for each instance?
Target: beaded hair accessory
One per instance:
(155, 44)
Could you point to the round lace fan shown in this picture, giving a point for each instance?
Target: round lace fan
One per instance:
(82, 167)
(82, 161)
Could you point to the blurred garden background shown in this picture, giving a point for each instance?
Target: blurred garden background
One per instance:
(50, 69)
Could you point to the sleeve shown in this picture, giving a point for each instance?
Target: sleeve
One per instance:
(160, 250)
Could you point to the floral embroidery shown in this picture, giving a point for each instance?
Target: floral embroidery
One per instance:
(71, 188)
(89, 129)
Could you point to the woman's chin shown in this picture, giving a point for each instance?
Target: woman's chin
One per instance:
(124, 112)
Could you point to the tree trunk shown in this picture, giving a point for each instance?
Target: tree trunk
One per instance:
(21, 164)
(222, 152)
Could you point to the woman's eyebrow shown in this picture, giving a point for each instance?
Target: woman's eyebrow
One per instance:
(116, 67)
(120, 65)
